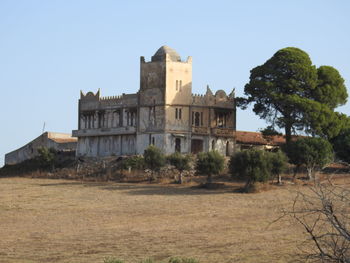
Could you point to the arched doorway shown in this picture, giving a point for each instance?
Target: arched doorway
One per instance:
(227, 148)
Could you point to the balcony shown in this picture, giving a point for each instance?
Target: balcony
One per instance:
(223, 132)
(200, 130)
(104, 131)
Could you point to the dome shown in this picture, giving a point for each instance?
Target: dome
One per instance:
(160, 54)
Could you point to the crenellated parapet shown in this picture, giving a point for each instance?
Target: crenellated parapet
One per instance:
(219, 99)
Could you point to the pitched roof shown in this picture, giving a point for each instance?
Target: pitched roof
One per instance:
(257, 138)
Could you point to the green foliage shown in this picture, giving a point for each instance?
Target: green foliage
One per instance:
(182, 260)
(278, 162)
(341, 145)
(252, 165)
(112, 260)
(180, 161)
(269, 131)
(289, 92)
(154, 158)
(134, 162)
(312, 152)
(210, 163)
(147, 260)
(46, 157)
(330, 88)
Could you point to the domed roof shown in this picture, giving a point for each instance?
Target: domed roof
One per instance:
(160, 54)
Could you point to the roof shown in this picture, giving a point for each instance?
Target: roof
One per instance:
(160, 54)
(258, 139)
(61, 137)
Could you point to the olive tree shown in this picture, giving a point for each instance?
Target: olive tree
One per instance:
(181, 163)
(210, 163)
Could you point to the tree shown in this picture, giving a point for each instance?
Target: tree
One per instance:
(210, 163)
(181, 163)
(330, 88)
(252, 165)
(341, 146)
(154, 159)
(278, 162)
(47, 157)
(324, 214)
(312, 152)
(290, 93)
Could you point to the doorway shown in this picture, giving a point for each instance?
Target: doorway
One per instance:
(196, 146)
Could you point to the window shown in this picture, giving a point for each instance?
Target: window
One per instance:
(177, 85)
(153, 140)
(202, 118)
(180, 85)
(197, 119)
(178, 113)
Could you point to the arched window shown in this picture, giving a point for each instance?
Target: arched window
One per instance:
(213, 145)
(197, 119)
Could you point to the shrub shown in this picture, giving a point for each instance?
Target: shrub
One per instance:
(154, 159)
(183, 260)
(47, 157)
(134, 162)
(278, 162)
(112, 260)
(252, 165)
(314, 153)
(210, 163)
(181, 162)
(147, 260)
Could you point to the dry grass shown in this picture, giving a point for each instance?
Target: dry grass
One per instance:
(43, 220)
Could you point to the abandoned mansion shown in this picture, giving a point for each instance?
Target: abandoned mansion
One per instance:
(164, 112)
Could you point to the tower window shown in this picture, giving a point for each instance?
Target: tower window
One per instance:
(178, 113)
(177, 85)
(180, 85)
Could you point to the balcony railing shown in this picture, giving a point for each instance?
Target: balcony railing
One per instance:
(223, 132)
(104, 131)
(200, 130)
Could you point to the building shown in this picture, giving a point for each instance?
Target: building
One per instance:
(61, 142)
(247, 140)
(164, 112)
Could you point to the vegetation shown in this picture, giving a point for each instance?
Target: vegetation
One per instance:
(181, 163)
(290, 93)
(257, 166)
(314, 153)
(134, 162)
(149, 260)
(341, 146)
(210, 163)
(154, 158)
(324, 214)
(47, 157)
(278, 162)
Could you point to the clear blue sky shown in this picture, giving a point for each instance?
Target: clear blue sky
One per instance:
(50, 50)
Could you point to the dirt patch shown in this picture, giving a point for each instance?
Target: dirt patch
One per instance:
(45, 220)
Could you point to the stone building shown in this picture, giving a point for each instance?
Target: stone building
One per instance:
(164, 112)
(61, 142)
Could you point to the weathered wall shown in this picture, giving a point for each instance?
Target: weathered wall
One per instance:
(58, 141)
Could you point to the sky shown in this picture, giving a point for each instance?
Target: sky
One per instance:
(50, 50)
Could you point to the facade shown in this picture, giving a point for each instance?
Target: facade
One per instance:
(164, 112)
(59, 141)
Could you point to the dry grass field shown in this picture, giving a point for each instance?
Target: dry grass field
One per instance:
(45, 220)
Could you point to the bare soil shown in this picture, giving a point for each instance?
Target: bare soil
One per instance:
(46, 220)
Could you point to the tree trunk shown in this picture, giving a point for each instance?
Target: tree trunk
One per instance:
(180, 178)
(279, 179)
(288, 130)
(209, 179)
(309, 173)
(295, 171)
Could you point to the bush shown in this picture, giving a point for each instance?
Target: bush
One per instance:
(47, 157)
(278, 162)
(112, 260)
(181, 162)
(210, 163)
(134, 162)
(253, 165)
(182, 260)
(154, 159)
(314, 153)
